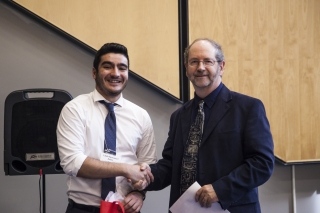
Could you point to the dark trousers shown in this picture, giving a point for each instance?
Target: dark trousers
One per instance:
(80, 208)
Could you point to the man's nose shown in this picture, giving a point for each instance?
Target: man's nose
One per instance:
(115, 71)
(201, 66)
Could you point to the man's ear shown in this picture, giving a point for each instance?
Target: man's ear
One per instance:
(221, 65)
(94, 73)
(186, 66)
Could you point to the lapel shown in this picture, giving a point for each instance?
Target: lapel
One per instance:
(185, 121)
(219, 109)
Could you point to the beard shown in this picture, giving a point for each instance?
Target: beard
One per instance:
(109, 92)
(116, 92)
(211, 78)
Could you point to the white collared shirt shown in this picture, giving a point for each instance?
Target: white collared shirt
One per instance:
(80, 134)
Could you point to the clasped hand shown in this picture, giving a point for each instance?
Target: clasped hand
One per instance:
(142, 178)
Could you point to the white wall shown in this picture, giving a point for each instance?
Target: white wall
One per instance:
(32, 56)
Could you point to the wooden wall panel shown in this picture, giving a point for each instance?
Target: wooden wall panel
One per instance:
(275, 29)
(230, 27)
(285, 110)
(310, 105)
(245, 30)
(291, 29)
(260, 30)
(272, 50)
(306, 28)
(255, 79)
(316, 32)
(148, 28)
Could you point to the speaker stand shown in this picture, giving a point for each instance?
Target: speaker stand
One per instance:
(44, 193)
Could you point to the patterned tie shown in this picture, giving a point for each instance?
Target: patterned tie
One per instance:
(109, 184)
(190, 157)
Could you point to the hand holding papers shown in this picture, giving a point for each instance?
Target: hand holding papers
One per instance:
(187, 203)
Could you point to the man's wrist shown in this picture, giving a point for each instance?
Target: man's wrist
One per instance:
(143, 193)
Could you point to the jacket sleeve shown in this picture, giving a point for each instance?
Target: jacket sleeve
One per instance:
(162, 170)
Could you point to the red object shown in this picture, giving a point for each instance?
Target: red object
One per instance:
(114, 207)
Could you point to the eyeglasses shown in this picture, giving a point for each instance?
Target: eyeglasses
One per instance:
(206, 62)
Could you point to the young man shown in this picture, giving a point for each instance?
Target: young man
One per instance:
(83, 139)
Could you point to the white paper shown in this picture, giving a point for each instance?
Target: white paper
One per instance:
(111, 197)
(187, 203)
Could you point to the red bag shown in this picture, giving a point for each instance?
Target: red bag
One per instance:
(108, 207)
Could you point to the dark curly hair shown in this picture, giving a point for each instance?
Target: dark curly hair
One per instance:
(110, 48)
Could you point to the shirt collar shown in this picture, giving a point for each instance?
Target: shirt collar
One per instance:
(98, 97)
(209, 99)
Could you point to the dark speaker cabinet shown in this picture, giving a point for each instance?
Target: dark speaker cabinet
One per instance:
(30, 123)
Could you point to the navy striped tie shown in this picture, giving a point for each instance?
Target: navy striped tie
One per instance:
(109, 184)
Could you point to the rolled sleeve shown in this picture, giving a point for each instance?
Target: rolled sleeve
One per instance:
(70, 140)
(146, 151)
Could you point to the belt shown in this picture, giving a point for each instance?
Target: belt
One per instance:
(91, 209)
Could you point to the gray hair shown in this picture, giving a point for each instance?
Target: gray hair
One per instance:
(219, 53)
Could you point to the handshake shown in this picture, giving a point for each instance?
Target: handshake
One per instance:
(140, 176)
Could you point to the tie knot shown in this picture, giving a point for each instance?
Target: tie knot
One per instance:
(201, 105)
(110, 106)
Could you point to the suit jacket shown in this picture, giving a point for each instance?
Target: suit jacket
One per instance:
(235, 156)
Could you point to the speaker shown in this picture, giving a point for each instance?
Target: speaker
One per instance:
(30, 122)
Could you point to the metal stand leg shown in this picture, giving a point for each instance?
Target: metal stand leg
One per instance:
(294, 207)
(44, 193)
